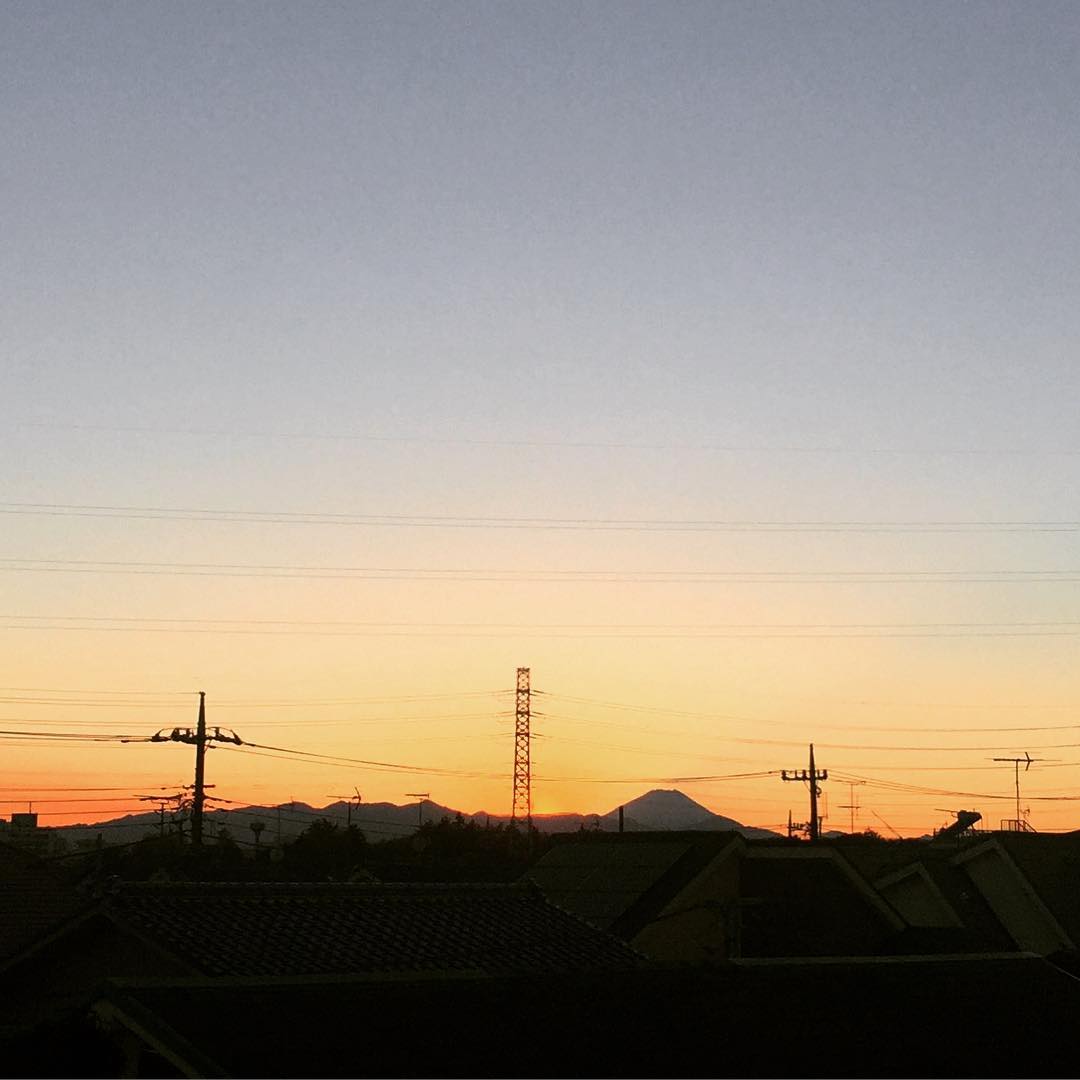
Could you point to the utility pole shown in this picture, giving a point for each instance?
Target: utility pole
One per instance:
(162, 801)
(522, 804)
(200, 739)
(810, 777)
(421, 795)
(199, 796)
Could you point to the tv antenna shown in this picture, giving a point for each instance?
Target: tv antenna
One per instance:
(1027, 760)
(853, 806)
(348, 800)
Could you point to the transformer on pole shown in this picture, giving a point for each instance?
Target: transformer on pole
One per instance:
(522, 806)
(200, 738)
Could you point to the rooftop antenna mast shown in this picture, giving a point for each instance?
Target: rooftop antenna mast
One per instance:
(348, 800)
(853, 806)
(1020, 822)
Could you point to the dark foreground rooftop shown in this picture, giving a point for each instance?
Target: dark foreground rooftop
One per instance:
(913, 1017)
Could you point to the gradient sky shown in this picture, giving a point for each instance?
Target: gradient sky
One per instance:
(587, 263)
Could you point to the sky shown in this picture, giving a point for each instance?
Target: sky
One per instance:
(715, 361)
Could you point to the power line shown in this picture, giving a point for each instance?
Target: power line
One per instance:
(587, 444)
(253, 702)
(740, 740)
(283, 517)
(686, 779)
(78, 736)
(550, 626)
(292, 703)
(748, 631)
(917, 789)
(472, 575)
(294, 721)
(296, 702)
(748, 741)
(84, 690)
(108, 810)
(933, 729)
(101, 703)
(128, 787)
(801, 723)
(984, 706)
(281, 754)
(64, 802)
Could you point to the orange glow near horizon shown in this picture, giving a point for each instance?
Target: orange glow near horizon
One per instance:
(599, 743)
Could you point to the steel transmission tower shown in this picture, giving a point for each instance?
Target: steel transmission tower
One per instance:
(522, 808)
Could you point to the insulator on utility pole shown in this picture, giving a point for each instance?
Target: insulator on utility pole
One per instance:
(199, 738)
(810, 777)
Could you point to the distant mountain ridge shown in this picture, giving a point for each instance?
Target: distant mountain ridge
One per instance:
(656, 811)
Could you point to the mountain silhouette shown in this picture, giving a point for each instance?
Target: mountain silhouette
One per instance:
(656, 811)
(662, 810)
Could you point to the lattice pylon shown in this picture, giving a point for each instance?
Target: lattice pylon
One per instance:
(522, 808)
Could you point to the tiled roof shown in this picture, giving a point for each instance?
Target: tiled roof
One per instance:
(256, 929)
(35, 901)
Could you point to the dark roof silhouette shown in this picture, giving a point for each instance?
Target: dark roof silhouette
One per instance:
(35, 901)
(942, 1016)
(1051, 864)
(882, 863)
(257, 929)
(794, 899)
(623, 878)
(805, 900)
